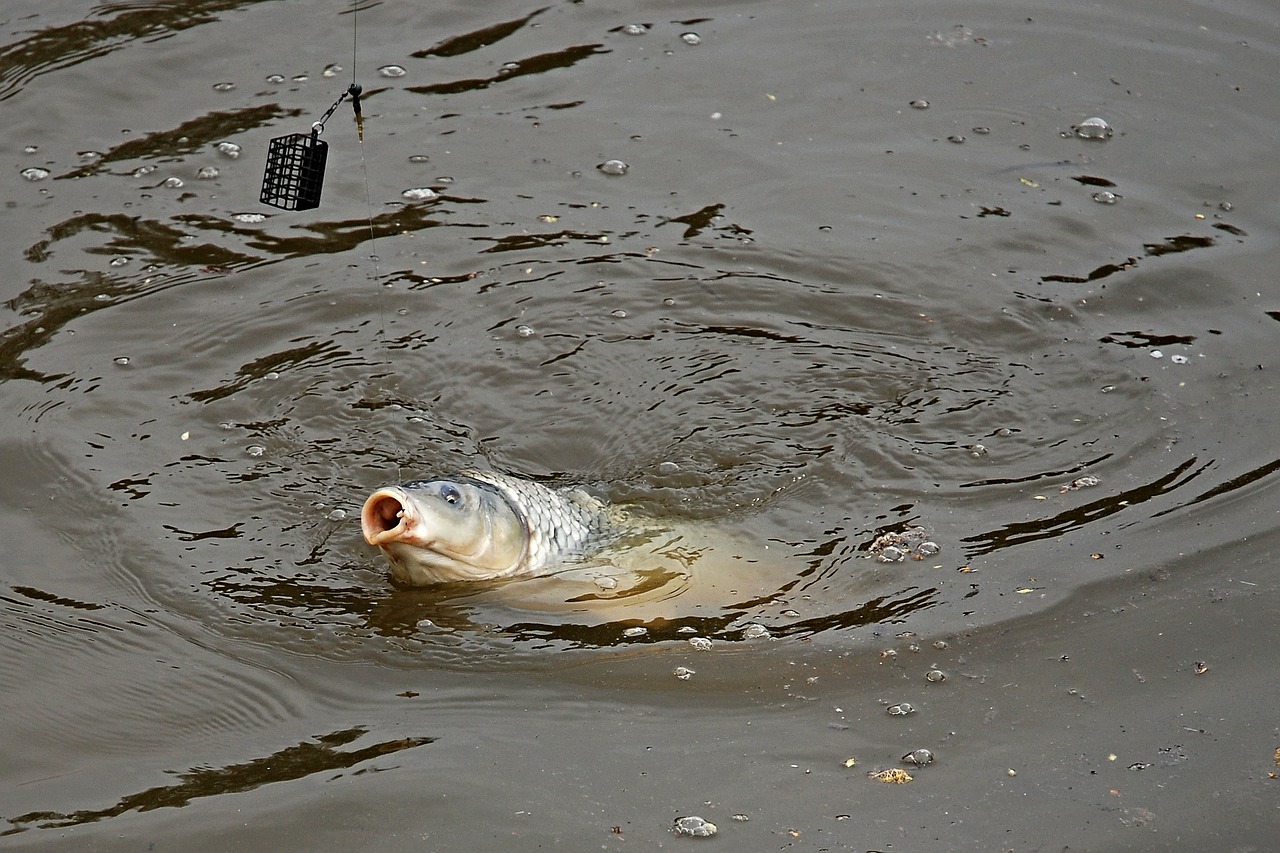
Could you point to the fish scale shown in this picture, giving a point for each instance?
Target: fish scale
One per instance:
(561, 522)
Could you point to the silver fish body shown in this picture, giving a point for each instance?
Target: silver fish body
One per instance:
(482, 525)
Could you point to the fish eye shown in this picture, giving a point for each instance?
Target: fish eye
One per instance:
(450, 495)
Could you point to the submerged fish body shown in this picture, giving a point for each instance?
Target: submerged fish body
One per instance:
(481, 525)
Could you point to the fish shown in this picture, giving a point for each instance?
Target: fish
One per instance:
(484, 525)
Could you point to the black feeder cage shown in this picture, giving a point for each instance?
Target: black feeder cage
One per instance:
(294, 175)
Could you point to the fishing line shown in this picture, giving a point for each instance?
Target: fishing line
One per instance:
(368, 203)
(294, 179)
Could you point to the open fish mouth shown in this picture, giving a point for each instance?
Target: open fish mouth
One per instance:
(385, 516)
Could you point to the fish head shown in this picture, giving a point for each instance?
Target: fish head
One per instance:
(433, 531)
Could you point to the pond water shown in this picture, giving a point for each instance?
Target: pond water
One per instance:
(790, 278)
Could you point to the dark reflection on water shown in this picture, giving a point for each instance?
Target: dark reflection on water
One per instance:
(539, 64)
(482, 37)
(115, 27)
(1022, 532)
(187, 138)
(285, 765)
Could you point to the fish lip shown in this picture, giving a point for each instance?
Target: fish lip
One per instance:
(380, 509)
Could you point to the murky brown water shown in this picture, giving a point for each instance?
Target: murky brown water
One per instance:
(812, 311)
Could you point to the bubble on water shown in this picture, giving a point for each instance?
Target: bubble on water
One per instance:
(524, 331)
(603, 581)
(119, 261)
(174, 183)
(666, 469)
(918, 757)
(508, 67)
(901, 709)
(420, 194)
(791, 614)
(618, 313)
(982, 131)
(223, 87)
(102, 297)
(891, 554)
(686, 629)
(1179, 359)
(392, 71)
(928, 548)
(919, 104)
(419, 158)
(613, 167)
(337, 515)
(228, 149)
(275, 79)
(700, 644)
(143, 171)
(332, 70)
(255, 450)
(30, 149)
(34, 173)
(1094, 128)
(635, 29)
(683, 673)
(249, 218)
(301, 78)
(956, 139)
(1225, 206)
(755, 631)
(1155, 353)
(635, 631)
(694, 827)
(691, 38)
(272, 374)
(1105, 197)
(977, 450)
(941, 644)
(121, 360)
(207, 173)
(444, 179)
(934, 676)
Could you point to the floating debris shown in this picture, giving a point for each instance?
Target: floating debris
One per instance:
(892, 776)
(1079, 483)
(894, 547)
(1201, 667)
(853, 762)
(694, 827)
